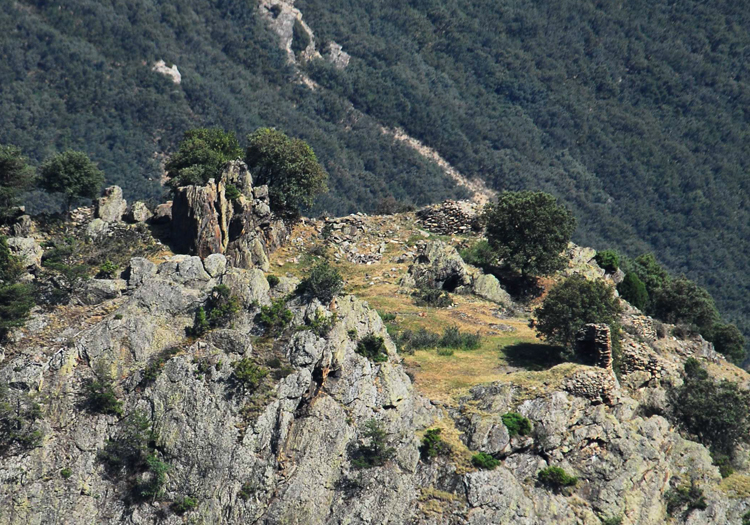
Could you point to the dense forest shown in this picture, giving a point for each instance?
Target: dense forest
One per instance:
(633, 113)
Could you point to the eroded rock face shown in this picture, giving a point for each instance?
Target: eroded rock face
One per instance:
(27, 250)
(139, 212)
(111, 206)
(205, 221)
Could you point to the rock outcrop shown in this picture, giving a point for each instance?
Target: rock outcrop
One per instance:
(27, 250)
(450, 217)
(111, 206)
(205, 221)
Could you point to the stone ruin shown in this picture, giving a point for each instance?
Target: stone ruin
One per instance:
(598, 384)
(450, 217)
(594, 344)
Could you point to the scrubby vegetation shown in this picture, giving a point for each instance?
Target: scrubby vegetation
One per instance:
(484, 461)
(685, 498)
(375, 452)
(324, 282)
(202, 155)
(608, 260)
(433, 445)
(72, 174)
(275, 317)
(373, 348)
(183, 505)
(556, 479)
(101, 397)
(221, 306)
(248, 375)
(18, 417)
(16, 298)
(516, 424)
(16, 176)
(432, 297)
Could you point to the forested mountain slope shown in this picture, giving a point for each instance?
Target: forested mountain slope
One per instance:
(633, 113)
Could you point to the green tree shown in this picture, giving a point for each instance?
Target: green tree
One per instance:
(201, 156)
(73, 174)
(290, 169)
(717, 413)
(376, 452)
(608, 260)
(633, 291)
(528, 231)
(15, 177)
(324, 282)
(728, 340)
(650, 272)
(682, 301)
(573, 303)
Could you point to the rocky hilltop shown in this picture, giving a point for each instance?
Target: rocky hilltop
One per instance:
(286, 445)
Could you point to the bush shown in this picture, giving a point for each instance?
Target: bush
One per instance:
(155, 366)
(432, 297)
(650, 272)
(716, 413)
(445, 352)
(275, 317)
(18, 417)
(433, 445)
(101, 396)
(128, 451)
(15, 178)
(687, 497)
(727, 340)
(453, 338)
(246, 491)
(273, 280)
(202, 155)
(373, 348)
(66, 473)
(528, 231)
(16, 299)
(516, 424)
(418, 340)
(321, 324)
(324, 282)
(153, 488)
(183, 505)
(231, 192)
(746, 518)
(387, 317)
(633, 291)
(108, 270)
(608, 260)
(248, 374)
(480, 254)
(612, 520)
(484, 461)
(555, 478)
(221, 306)
(290, 169)
(375, 453)
(572, 304)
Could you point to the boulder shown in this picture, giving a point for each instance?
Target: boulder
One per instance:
(96, 228)
(488, 287)
(215, 264)
(27, 250)
(110, 207)
(139, 270)
(162, 213)
(439, 266)
(139, 212)
(197, 224)
(24, 226)
(96, 291)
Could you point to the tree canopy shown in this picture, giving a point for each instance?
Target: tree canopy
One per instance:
(290, 169)
(202, 155)
(528, 231)
(73, 174)
(15, 177)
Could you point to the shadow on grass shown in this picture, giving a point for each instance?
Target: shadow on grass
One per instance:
(533, 356)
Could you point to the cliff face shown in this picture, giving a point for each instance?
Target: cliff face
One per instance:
(283, 452)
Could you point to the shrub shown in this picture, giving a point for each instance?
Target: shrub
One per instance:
(321, 324)
(201, 156)
(555, 478)
(290, 169)
(528, 231)
(16, 299)
(155, 366)
(650, 272)
(376, 452)
(608, 260)
(445, 352)
(246, 491)
(200, 323)
(231, 192)
(273, 280)
(484, 461)
(15, 177)
(183, 505)
(153, 488)
(66, 473)
(516, 424)
(373, 348)
(418, 340)
(387, 317)
(633, 291)
(480, 254)
(101, 396)
(323, 283)
(432, 297)
(612, 520)
(727, 340)
(573, 303)
(128, 451)
(716, 412)
(221, 306)
(453, 338)
(687, 497)
(18, 416)
(108, 270)
(275, 317)
(724, 463)
(746, 518)
(248, 374)
(433, 445)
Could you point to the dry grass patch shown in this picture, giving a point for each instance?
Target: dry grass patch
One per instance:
(736, 486)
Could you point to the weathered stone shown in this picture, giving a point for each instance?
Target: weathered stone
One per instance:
(96, 229)
(96, 291)
(139, 212)
(488, 287)
(27, 250)
(139, 270)
(185, 270)
(23, 227)
(196, 224)
(110, 207)
(215, 264)
(162, 213)
(439, 266)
